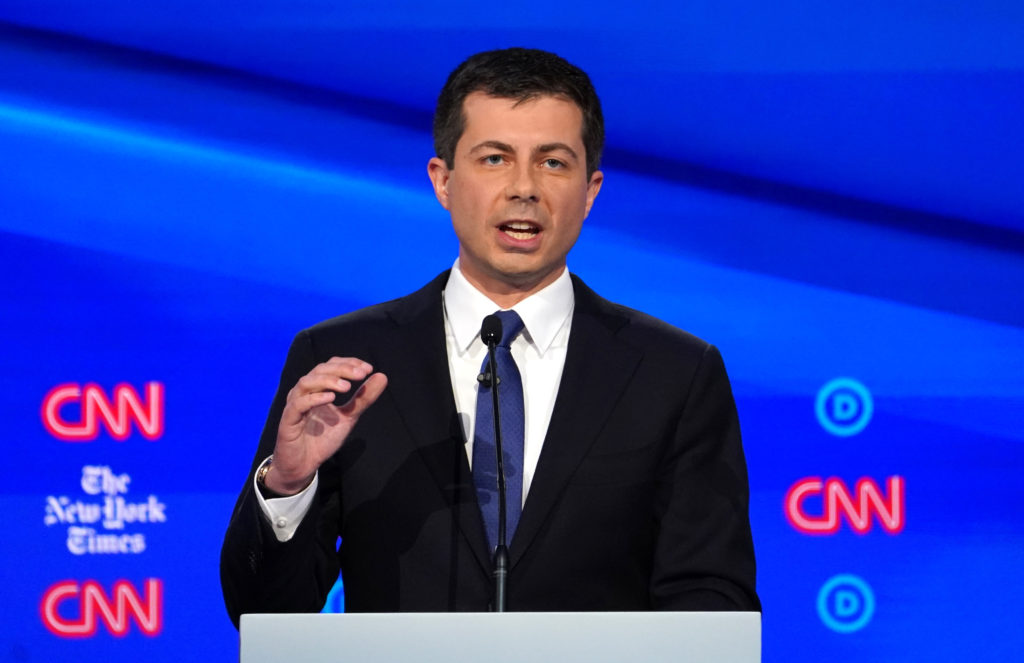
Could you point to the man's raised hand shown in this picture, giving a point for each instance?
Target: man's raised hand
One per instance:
(312, 428)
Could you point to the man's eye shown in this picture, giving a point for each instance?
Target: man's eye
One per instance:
(553, 163)
(493, 159)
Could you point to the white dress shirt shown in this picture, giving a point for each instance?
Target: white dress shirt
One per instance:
(539, 352)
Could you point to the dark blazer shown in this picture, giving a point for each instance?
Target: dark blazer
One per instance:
(639, 500)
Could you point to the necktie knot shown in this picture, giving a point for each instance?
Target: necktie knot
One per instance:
(511, 325)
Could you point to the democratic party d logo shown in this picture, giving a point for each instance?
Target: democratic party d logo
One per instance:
(846, 603)
(844, 407)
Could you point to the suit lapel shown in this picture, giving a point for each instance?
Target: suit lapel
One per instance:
(598, 367)
(420, 383)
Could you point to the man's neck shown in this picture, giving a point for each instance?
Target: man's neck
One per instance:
(507, 294)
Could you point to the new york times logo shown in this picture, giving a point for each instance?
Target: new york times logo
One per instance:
(97, 523)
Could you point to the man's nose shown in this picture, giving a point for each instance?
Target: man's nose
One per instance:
(523, 183)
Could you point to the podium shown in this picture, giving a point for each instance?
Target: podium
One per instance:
(537, 637)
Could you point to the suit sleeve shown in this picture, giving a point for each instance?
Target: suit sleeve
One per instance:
(258, 572)
(704, 554)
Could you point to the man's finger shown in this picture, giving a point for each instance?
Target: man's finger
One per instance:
(299, 405)
(308, 384)
(366, 395)
(346, 370)
(351, 362)
(345, 362)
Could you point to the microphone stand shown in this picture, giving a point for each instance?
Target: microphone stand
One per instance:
(501, 550)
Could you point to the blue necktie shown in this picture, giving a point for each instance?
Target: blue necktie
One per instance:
(485, 464)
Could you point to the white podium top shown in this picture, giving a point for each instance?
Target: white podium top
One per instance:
(537, 637)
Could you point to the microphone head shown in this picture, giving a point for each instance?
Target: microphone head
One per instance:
(490, 330)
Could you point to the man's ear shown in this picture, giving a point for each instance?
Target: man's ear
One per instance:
(439, 176)
(593, 188)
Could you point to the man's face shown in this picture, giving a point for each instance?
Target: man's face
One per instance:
(518, 192)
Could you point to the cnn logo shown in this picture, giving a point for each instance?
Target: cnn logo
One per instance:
(95, 409)
(838, 503)
(94, 606)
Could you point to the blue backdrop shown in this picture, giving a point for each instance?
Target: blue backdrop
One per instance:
(831, 194)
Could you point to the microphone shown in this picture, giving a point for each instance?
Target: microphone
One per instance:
(340, 398)
(490, 334)
(490, 331)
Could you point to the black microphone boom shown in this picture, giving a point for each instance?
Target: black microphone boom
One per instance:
(490, 333)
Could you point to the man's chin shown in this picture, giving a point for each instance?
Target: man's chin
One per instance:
(528, 278)
(519, 276)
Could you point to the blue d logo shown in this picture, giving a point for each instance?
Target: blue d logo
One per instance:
(844, 407)
(846, 603)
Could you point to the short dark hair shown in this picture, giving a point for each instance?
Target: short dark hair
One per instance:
(521, 74)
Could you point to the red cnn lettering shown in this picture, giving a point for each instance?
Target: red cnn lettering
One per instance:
(867, 499)
(96, 606)
(116, 414)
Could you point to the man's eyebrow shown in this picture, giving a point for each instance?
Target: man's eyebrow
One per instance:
(492, 145)
(554, 147)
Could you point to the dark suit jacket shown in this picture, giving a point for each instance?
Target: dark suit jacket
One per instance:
(639, 500)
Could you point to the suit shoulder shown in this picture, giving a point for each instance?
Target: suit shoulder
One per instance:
(639, 329)
(365, 322)
(361, 320)
(651, 333)
(647, 326)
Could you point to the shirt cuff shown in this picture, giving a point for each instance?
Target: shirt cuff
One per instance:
(286, 513)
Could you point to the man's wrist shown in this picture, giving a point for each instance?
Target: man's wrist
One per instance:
(271, 487)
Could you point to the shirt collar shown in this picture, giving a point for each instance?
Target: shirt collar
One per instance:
(543, 313)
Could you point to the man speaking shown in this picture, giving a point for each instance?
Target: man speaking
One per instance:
(627, 486)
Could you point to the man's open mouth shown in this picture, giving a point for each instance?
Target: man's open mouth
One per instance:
(520, 230)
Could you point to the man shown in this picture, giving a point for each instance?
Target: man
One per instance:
(627, 462)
